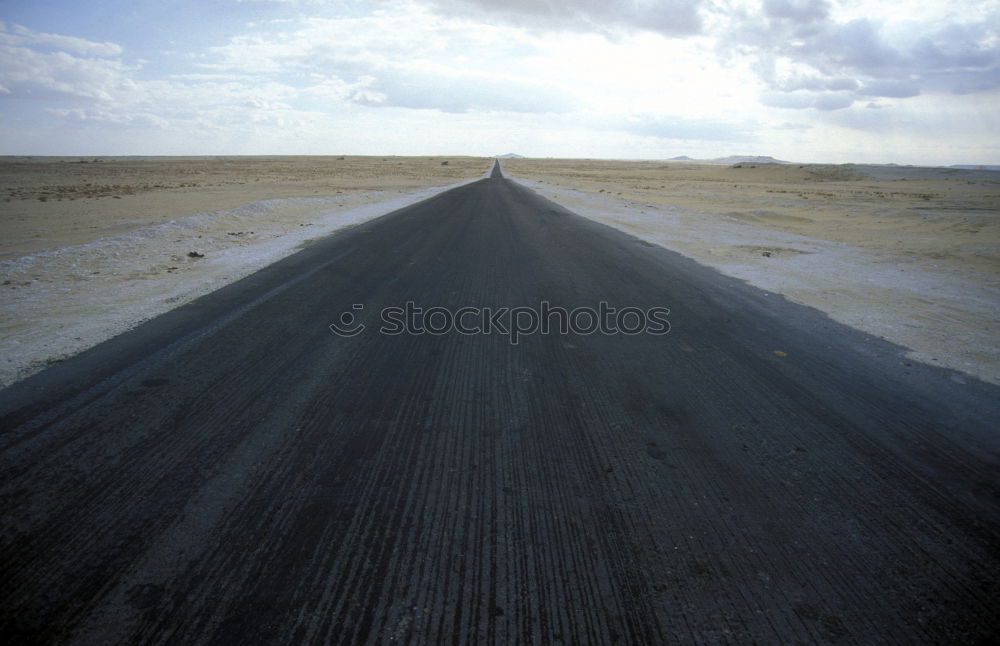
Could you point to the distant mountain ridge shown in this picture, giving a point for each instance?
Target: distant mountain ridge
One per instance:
(975, 166)
(767, 159)
(734, 159)
(748, 159)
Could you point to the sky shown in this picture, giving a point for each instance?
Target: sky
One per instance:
(877, 81)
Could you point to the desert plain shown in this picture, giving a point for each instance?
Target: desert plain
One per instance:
(90, 247)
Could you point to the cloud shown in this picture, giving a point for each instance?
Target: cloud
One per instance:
(890, 89)
(37, 65)
(792, 82)
(921, 118)
(799, 45)
(685, 128)
(806, 99)
(457, 91)
(668, 17)
(87, 85)
(103, 115)
(797, 11)
(633, 75)
(13, 34)
(411, 60)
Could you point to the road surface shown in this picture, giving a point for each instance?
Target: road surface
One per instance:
(234, 472)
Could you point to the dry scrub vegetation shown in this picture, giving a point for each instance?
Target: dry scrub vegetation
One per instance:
(53, 202)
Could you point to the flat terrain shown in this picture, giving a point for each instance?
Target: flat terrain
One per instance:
(233, 472)
(938, 215)
(909, 254)
(50, 202)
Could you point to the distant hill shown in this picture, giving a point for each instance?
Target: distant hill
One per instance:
(733, 159)
(748, 159)
(974, 167)
(511, 156)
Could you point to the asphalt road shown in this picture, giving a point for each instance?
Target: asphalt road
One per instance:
(234, 472)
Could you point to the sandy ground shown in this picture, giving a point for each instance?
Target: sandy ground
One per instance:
(89, 249)
(911, 255)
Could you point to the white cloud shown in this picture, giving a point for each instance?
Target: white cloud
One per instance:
(103, 115)
(404, 58)
(801, 12)
(668, 17)
(12, 34)
(307, 3)
(685, 128)
(800, 99)
(99, 88)
(821, 46)
(578, 77)
(890, 89)
(30, 71)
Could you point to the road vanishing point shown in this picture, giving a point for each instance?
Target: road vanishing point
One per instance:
(234, 472)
